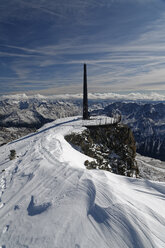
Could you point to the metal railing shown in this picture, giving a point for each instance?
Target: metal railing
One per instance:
(101, 120)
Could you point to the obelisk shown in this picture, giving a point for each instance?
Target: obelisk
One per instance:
(85, 95)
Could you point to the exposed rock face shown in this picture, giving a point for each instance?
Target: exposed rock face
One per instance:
(112, 147)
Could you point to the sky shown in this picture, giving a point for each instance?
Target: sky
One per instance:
(44, 44)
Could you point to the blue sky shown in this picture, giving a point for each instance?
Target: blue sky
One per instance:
(44, 43)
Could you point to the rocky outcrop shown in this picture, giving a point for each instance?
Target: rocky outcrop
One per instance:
(112, 147)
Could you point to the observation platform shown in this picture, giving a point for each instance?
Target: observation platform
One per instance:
(100, 121)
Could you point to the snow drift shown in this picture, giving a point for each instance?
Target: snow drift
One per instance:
(49, 199)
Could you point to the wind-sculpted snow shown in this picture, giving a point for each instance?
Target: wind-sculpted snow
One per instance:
(37, 209)
(49, 199)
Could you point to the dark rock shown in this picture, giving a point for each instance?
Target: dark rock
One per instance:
(112, 147)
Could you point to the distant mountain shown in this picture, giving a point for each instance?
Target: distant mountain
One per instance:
(34, 112)
(19, 116)
(147, 120)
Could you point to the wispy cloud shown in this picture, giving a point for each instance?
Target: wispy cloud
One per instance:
(122, 43)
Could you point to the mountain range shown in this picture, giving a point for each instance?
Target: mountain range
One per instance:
(146, 119)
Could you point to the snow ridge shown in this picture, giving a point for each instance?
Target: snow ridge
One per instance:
(49, 199)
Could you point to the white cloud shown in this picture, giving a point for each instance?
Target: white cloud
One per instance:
(93, 96)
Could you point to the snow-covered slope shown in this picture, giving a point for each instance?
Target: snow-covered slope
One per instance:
(150, 168)
(49, 199)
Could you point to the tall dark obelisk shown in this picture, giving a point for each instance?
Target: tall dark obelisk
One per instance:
(85, 95)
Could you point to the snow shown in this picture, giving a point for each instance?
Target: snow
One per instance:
(152, 169)
(49, 199)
